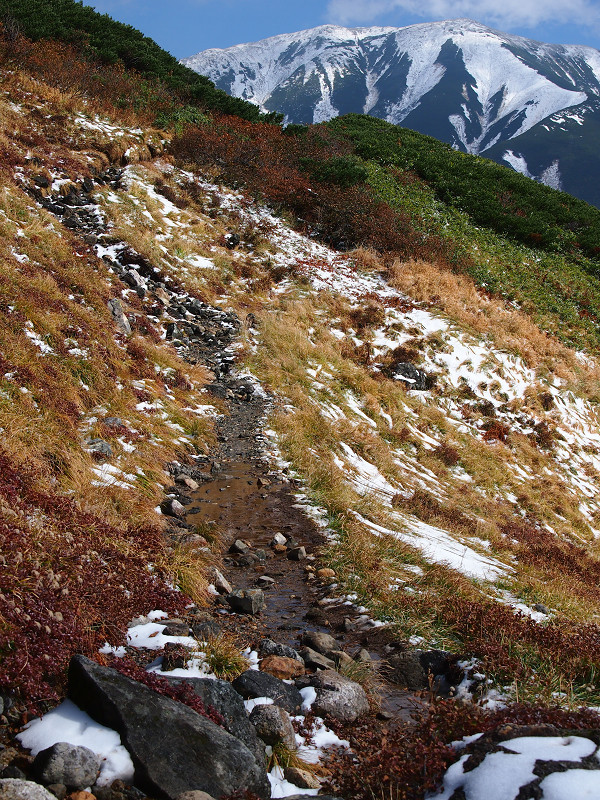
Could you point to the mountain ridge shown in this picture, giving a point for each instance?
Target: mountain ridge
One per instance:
(458, 80)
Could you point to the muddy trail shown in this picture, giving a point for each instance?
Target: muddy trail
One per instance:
(246, 500)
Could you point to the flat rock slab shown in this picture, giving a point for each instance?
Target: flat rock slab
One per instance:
(174, 749)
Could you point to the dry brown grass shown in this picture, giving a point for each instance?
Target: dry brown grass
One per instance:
(510, 329)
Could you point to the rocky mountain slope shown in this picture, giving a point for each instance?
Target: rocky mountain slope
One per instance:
(266, 394)
(531, 105)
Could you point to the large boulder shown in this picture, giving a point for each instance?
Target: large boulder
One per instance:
(173, 748)
(223, 698)
(252, 684)
(338, 696)
(75, 767)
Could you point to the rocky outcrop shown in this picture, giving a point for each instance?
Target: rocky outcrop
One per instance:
(173, 748)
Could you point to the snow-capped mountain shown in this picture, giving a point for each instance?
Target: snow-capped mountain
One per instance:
(533, 106)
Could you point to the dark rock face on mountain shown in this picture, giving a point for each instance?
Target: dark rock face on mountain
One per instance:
(533, 106)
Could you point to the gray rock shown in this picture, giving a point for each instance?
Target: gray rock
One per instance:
(15, 789)
(253, 683)
(303, 797)
(315, 660)
(265, 581)
(338, 697)
(112, 422)
(270, 648)
(297, 554)
(201, 630)
(321, 642)
(363, 656)
(239, 547)
(279, 538)
(413, 377)
(118, 315)
(415, 669)
(195, 795)
(273, 725)
(302, 778)
(99, 446)
(191, 484)
(172, 508)
(59, 790)
(221, 584)
(13, 772)
(76, 767)
(176, 627)
(223, 698)
(246, 601)
(195, 754)
(340, 658)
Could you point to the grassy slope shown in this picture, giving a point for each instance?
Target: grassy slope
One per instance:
(494, 475)
(101, 38)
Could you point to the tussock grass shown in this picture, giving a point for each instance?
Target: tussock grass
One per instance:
(223, 654)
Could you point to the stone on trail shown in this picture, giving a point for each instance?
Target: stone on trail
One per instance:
(195, 795)
(273, 725)
(239, 547)
(253, 683)
(15, 789)
(75, 767)
(414, 669)
(246, 601)
(173, 748)
(282, 667)
(221, 583)
(172, 508)
(315, 660)
(279, 538)
(270, 648)
(297, 554)
(321, 642)
(338, 697)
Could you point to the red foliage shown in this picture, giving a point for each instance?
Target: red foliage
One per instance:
(271, 165)
(411, 761)
(182, 692)
(67, 585)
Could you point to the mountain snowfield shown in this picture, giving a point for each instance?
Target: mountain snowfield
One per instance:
(459, 81)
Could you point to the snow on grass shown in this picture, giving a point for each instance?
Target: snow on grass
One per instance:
(501, 775)
(439, 547)
(363, 476)
(37, 339)
(67, 723)
(150, 636)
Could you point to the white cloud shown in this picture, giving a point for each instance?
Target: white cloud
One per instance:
(505, 14)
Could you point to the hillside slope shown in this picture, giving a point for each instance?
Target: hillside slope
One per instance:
(433, 390)
(521, 102)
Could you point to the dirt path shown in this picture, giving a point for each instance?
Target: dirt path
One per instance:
(246, 499)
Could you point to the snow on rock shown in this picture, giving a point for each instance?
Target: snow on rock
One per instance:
(501, 775)
(67, 723)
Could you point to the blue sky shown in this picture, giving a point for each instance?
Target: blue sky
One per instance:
(184, 27)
